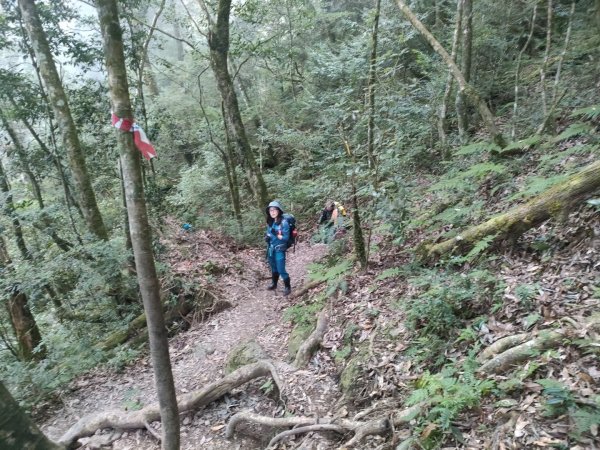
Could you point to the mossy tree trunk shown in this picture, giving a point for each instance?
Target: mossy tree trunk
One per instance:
(62, 112)
(138, 224)
(513, 223)
(218, 42)
(466, 40)
(372, 156)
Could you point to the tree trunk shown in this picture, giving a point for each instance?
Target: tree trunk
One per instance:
(218, 41)
(23, 323)
(549, 117)
(9, 210)
(70, 200)
(465, 67)
(471, 94)
(515, 222)
(138, 224)
(545, 65)
(518, 73)
(46, 225)
(25, 328)
(371, 96)
(17, 431)
(442, 124)
(62, 112)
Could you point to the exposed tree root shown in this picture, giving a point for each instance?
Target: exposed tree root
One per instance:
(511, 350)
(501, 345)
(313, 342)
(138, 419)
(307, 287)
(360, 429)
(522, 352)
(306, 429)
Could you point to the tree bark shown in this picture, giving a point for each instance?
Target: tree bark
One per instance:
(218, 42)
(371, 96)
(442, 124)
(471, 94)
(25, 328)
(62, 112)
(22, 321)
(546, 58)
(518, 72)
(138, 224)
(515, 222)
(466, 40)
(17, 431)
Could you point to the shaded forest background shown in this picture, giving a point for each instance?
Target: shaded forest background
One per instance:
(296, 100)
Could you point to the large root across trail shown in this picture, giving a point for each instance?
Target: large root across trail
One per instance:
(140, 419)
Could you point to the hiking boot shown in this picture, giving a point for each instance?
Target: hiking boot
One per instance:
(274, 280)
(288, 288)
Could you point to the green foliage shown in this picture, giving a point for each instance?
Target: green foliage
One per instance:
(589, 112)
(538, 184)
(464, 180)
(439, 312)
(450, 391)
(522, 144)
(575, 129)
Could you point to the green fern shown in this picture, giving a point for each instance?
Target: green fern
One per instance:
(589, 112)
(523, 144)
(536, 185)
(575, 129)
(476, 172)
(480, 247)
(551, 159)
(481, 170)
(331, 273)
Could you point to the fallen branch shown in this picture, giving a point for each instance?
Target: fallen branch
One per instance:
(204, 303)
(88, 425)
(313, 342)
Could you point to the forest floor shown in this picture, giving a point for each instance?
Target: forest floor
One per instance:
(198, 355)
(538, 288)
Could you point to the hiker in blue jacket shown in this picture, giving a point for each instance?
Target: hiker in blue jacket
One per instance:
(277, 236)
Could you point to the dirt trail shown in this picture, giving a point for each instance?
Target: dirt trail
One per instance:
(198, 355)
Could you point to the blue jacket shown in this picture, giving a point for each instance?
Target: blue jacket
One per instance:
(274, 230)
(282, 229)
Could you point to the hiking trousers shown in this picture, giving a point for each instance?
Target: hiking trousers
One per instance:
(277, 263)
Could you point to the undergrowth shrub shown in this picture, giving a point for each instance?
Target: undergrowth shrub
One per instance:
(450, 392)
(443, 306)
